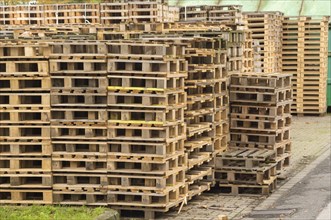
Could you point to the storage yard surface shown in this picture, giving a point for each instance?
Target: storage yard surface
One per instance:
(311, 137)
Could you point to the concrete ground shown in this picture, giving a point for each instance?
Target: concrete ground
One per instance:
(311, 138)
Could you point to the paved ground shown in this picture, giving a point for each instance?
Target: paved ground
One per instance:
(305, 196)
(310, 136)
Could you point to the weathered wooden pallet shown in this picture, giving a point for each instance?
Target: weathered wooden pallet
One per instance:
(25, 116)
(25, 84)
(196, 159)
(79, 98)
(198, 188)
(260, 139)
(200, 173)
(86, 49)
(146, 199)
(24, 148)
(144, 183)
(144, 117)
(83, 83)
(249, 111)
(145, 83)
(24, 100)
(142, 165)
(79, 163)
(114, 12)
(143, 133)
(260, 177)
(175, 67)
(78, 116)
(283, 162)
(21, 132)
(73, 132)
(79, 147)
(25, 196)
(145, 149)
(245, 159)
(280, 148)
(91, 67)
(79, 198)
(11, 165)
(21, 181)
(22, 50)
(146, 100)
(244, 189)
(144, 50)
(261, 81)
(263, 125)
(261, 97)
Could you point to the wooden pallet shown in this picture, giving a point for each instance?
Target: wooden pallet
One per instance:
(144, 117)
(243, 189)
(145, 149)
(260, 112)
(146, 199)
(25, 84)
(24, 100)
(11, 165)
(175, 67)
(25, 116)
(79, 198)
(22, 132)
(80, 83)
(260, 124)
(78, 116)
(26, 181)
(260, 139)
(145, 83)
(25, 148)
(156, 101)
(79, 147)
(142, 183)
(94, 132)
(79, 98)
(79, 163)
(22, 50)
(141, 165)
(91, 67)
(24, 68)
(25, 196)
(245, 159)
(260, 177)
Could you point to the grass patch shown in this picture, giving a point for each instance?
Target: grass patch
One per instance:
(48, 212)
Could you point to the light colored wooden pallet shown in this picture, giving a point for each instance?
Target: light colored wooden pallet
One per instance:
(11, 165)
(26, 181)
(24, 148)
(24, 196)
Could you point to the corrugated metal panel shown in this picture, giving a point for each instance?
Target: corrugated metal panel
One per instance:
(329, 71)
(288, 7)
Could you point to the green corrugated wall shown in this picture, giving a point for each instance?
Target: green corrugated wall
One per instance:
(289, 7)
(329, 71)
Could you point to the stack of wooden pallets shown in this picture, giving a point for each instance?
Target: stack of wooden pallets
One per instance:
(266, 28)
(137, 11)
(72, 14)
(206, 113)
(260, 128)
(304, 54)
(25, 149)
(146, 128)
(79, 122)
(230, 15)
